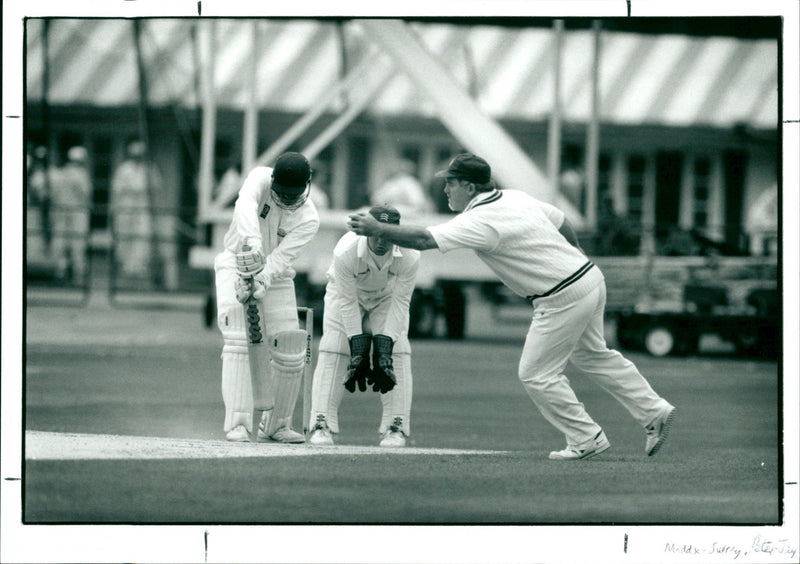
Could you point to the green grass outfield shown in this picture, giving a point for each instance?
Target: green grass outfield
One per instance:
(102, 372)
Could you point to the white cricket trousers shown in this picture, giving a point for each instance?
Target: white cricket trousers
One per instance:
(565, 329)
(334, 356)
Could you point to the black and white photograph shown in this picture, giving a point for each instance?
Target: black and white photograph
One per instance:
(445, 282)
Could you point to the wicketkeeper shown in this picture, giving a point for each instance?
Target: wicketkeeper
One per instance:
(274, 219)
(364, 345)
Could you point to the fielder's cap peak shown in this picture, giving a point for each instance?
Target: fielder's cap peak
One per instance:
(469, 167)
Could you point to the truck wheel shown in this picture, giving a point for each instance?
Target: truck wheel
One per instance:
(455, 309)
(747, 343)
(627, 337)
(659, 340)
(627, 341)
(687, 344)
(629, 332)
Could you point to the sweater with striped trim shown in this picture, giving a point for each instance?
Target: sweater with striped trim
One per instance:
(517, 237)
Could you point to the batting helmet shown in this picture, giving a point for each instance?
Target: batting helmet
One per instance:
(291, 179)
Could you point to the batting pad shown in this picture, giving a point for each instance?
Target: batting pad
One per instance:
(288, 351)
(397, 403)
(237, 389)
(237, 393)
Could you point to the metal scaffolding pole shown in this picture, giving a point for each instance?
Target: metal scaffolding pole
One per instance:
(48, 135)
(554, 125)
(209, 123)
(593, 135)
(156, 265)
(511, 166)
(250, 140)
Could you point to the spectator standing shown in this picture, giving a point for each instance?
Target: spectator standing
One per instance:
(403, 191)
(71, 196)
(131, 211)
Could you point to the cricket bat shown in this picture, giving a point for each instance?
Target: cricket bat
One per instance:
(259, 358)
(308, 373)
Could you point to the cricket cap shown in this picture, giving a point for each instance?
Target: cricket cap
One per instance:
(385, 213)
(469, 167)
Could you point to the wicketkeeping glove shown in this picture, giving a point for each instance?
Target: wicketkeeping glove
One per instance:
(383, 379)
(359, 370)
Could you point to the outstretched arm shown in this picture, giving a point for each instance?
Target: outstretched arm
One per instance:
(407, 236)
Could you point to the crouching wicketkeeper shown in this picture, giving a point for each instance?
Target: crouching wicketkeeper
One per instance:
(364, 345)
(273, 220)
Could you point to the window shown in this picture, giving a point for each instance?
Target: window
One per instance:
(572, 177)
(603, 180)
(101, 175)
(636, 179)
(702, 181)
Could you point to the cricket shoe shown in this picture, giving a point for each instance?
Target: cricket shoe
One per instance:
(585, 450)
(287, 435)
(238, 434)
(658, 430)
(394, 437)
(321, 435)
(283, 434)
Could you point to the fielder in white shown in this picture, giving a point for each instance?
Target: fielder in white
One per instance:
(275, 219)
(534, 251)
(367, 299)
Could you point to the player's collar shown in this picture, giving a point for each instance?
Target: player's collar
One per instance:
(484, 198)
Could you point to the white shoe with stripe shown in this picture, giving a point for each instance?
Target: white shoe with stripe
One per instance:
(588, 449)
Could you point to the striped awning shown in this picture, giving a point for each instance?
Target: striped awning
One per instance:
(675, 80)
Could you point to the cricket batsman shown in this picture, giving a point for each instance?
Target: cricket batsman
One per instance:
(364, 343)
(273, 219)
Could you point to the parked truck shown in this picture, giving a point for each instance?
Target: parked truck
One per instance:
(738, 300)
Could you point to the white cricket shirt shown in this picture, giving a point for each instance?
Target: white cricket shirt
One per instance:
(517, 237)
(283, 233)
(361, 282)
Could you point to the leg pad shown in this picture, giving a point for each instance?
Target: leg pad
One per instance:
(288, 351)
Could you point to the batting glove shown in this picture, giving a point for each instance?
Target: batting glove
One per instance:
(250, 260)
(244, 289)
(252, 286)
(383, 366)
(359, 370)
(261, 285)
